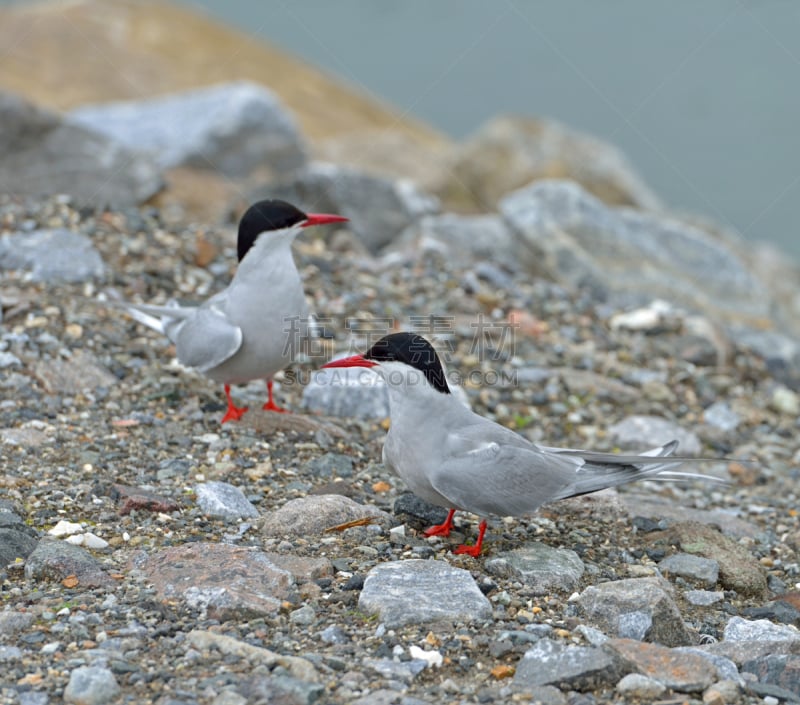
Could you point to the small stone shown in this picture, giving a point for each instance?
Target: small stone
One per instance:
(703, 598)
(331, 464)
(404, 671)
(65, 528)
(702, 570)
(432, 658)
(541, 568)
(12, 622)
(334, 634)
(635, 685)
(419, 591)
(785, 401)
(91, 685)
(304, 616)
(421, 514)
(223, 500)
(57, 560)
(721, 416)
(725, 692)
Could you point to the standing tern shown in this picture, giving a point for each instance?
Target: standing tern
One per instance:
(452, 457)
(240, 334)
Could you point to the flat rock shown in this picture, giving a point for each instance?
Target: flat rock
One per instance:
(636, 685)
(379, 208)
(550, 662)
(47, 256)
(229, 646)
(420, 591)
(16, 542)
(302, 569)
(629, 257)
(682, 671)
(26, 437)
(331, 464)
(738, 629)
(643, 432)
(637, 504)
(741, 651)
(225, 501)
(541, 568)
(701, 570)
(233, 128)
(636, 608)
(42, 153)
(80, 372)
(226, 582)
(509, 152)
(703, 598)
(739, 570)
(55, 560)
(12, 622)
(316, 514)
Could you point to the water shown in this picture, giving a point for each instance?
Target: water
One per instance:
(703, 97)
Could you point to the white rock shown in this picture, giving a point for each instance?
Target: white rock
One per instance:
(433, 658)
(65, 528)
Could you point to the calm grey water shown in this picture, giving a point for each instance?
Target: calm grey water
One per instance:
(704, 97)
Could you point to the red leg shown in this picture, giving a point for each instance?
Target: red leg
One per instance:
(442, 529)
(475, 550)
(234, 413)
(271, 405)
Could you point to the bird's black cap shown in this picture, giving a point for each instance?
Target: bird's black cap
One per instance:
(413, 350)
(263, 216)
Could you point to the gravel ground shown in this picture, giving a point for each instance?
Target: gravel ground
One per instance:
(100, 427)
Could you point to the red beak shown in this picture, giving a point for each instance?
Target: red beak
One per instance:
(322, 219)
(353, 361)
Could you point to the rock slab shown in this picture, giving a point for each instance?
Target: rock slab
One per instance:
(420, 591)
(543, 569)
(318, 513)
(52, 256)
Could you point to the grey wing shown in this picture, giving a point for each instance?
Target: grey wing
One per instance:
(206, 339)
(503, 479)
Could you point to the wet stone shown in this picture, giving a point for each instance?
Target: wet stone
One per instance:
(420, 591)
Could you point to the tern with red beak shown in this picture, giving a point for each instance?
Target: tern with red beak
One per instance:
(454, 458)
(241, 333)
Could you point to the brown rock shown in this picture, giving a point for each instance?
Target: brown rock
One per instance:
(681, 671)
(509, 152)
(124, 49)
(227, 582)
(738, 568)
(81, 371)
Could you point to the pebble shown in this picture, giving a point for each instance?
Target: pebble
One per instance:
(786, 401)
(317, 514)
(225, 501)
(304, 616)
(52, 255)
(91, 685)
(703, 598)
(636, 685)
(419, 591)
(721, 416)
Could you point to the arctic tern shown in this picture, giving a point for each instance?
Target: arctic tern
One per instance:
(452, 457)
(240, 333)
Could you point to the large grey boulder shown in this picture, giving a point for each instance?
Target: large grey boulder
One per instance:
(56, 255)
(629, 256)
(233, 128)
(41, 153)
(379, 208)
